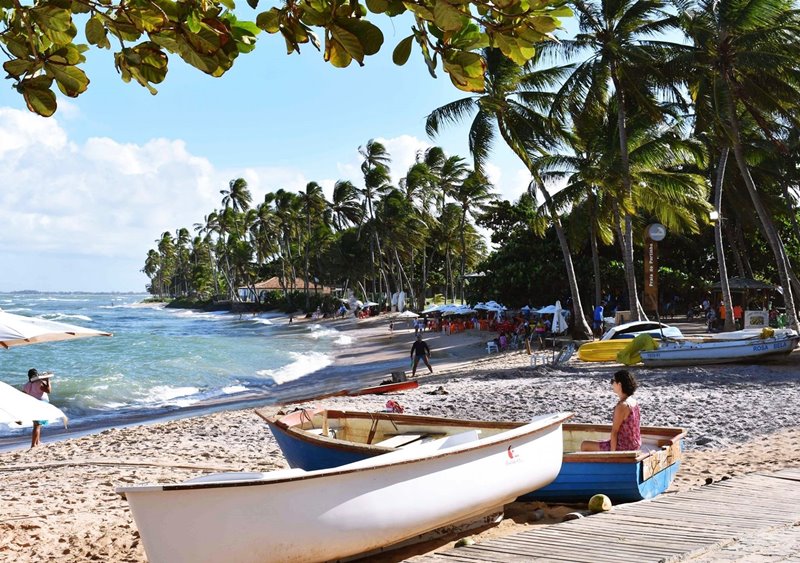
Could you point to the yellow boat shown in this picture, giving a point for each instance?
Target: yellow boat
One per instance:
(602, 350)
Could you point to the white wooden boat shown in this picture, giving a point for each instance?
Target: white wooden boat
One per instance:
(635, 328)
(322, 438)
(727, 347)
(294, 515)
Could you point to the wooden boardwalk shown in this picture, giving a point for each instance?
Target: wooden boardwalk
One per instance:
(669, 528)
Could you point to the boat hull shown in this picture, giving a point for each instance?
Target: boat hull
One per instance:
(628, 478)
(602, 350)
(688, 352)
(622, 476)
(330, 514)
(386, 388)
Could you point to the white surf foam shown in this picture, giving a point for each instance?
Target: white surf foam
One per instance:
(302, 365)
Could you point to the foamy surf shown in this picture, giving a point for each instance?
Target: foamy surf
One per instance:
(303, 364)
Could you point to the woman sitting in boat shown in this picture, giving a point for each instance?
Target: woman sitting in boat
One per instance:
(625, 434)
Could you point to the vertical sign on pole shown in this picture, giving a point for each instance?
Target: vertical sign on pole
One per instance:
(652, 236)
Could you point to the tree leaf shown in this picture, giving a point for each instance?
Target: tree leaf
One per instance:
(349, 42)
(96, 33)
(17, 67)
(402, 51)
(336, 54)
(269, 21)
(71, 80)
(447, 17)
(252, 3)
(369, 35)
(38, 96)
(377, 6)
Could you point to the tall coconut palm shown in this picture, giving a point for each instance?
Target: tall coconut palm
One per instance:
(744, 61)
(471, 195)
(344, 206)
(513, 105)
(313, 204)
(375, 168)
(617, 37)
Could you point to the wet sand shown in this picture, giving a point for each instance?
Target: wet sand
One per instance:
(58, 502)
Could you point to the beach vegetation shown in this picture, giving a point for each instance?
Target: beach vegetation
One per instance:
(45, 51)
(643, 116)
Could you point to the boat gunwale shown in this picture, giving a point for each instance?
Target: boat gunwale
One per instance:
(674, 434)
(470, 447)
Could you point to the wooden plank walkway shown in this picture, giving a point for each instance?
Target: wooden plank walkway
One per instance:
(669, 528)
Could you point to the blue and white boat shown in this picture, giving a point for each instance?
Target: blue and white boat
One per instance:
(319, 439)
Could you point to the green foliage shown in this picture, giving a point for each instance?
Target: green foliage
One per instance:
(39, 40)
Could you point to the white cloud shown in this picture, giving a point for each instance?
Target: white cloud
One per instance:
(82, 215)
(100, 200)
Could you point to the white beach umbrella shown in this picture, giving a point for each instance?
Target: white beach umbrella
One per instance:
(549, 310)
(18, 330)
(370, 304)
(431, 309)
(407, 315)
(559, 322)
(19, 407)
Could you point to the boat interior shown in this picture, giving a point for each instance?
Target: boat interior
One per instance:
(389, 431)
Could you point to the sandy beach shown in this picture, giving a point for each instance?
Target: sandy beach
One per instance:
(58, 502)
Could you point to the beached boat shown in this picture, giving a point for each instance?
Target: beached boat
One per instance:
(740, 346)
(294, 515)
(602, 350)
(319, 438)
(635, 328)
(385, 388)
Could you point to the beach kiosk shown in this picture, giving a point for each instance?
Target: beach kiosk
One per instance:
(753, 296)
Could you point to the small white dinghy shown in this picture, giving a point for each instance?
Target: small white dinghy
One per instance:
(293, 515)
(747, 345)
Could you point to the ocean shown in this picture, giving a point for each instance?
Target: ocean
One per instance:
(164, 363)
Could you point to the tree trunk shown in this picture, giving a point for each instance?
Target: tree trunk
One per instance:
(598, 287)
(723, 268)
(769, 228)
(730, 234)
(635, 307)
(463, 253)
(580, 328)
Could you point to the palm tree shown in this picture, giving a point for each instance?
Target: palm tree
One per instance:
(375, 168)
(616, 35)
(313, 204)
(513, 105)
(237, 195)
(744, 62)
(344, 207)
(471, 195)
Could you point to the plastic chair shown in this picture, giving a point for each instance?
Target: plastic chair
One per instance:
(492, 347)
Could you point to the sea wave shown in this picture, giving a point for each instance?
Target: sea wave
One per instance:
(303, 364)
(64, 316)
(230, 390)
(163, 395)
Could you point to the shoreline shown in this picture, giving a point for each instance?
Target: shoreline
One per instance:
(369, 360)
(58, 502)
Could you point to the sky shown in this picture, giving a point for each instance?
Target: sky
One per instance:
(86, 193)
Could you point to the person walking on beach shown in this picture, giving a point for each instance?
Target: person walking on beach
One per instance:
(528, 334)
(420, 349)
(38, 386)
(625, 432)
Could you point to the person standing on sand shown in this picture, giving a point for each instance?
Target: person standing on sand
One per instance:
(420, 349)
(625, 432)
(38, 387)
